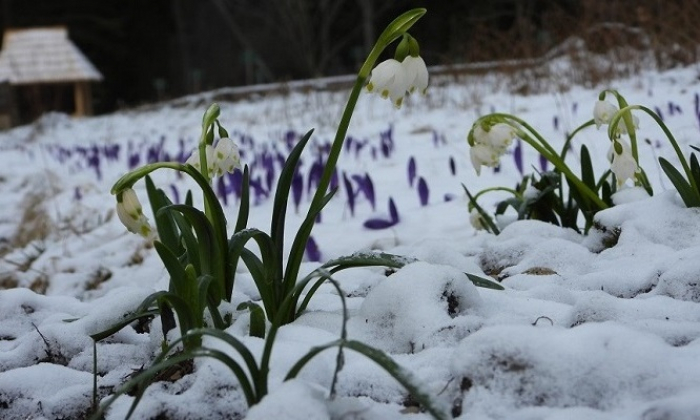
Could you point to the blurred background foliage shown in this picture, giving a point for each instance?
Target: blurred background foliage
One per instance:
(150, 50)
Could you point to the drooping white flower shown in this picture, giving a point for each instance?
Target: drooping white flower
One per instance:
(482, 154)
(416, 74)
(476, 220)
(623, 164)
(500, 136)
(390, 80)
(603, 112)
(130, 213)
(226, 157)
(195, 161)
(490, 144)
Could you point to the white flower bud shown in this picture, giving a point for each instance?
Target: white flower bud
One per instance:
(130, 213)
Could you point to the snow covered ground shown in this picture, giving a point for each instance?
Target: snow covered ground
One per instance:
(583, 330)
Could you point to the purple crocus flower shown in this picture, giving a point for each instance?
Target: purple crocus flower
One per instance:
(386, 140)
(379, 223)
(348, 143)
(556, 122)
(350, 194)
(393, 213)
(334, 179)
(543, 163)
(658, 112)
(111, 152)
(221, 190)
(368, 189)
(453, 166)
(236, 182)
(290, 138)
(315, 174)
(411, 171)
(423, 191)
(176, 193)
(518, 156)
(297, 188)
(313, 254)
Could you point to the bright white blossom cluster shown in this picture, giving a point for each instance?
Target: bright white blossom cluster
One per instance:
(394, 80)
(225, 157)
(131, 214)
(623, 164)
(489, 144)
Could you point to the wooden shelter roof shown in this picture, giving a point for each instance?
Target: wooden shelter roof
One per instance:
(43, 55)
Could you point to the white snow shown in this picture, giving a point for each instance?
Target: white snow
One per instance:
(597, 326)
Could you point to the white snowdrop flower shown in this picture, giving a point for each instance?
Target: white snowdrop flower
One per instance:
(226, 157)
(482, 154)
(194, 160)
(389, 79)
(490, 145)
(131, 214)
(416, 74)
(623, 164)
(603, 112)
(476, 220)
(500, 136)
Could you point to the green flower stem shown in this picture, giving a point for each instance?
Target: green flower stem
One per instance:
(395, 29)
(673, 142)
(510, 190)
(392, 32)
(529, 128)
(564, 169)
(571, 136)
(629, 123)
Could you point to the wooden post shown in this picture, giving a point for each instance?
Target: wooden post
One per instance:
(83, 99)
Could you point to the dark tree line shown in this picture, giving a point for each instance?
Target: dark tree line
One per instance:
(157, 49)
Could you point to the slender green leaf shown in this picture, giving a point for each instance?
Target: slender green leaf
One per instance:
(167, 230)
(178, 278)
(682, 185)
(188, 239)
(257, 318)
(483, 282)
(368, 259)
(404, 377)
(695, 171)
(587, 175)
(244, 207)
(279, 208)
(296, 255)
(485, 216)
(207, 245)
(128, 319)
